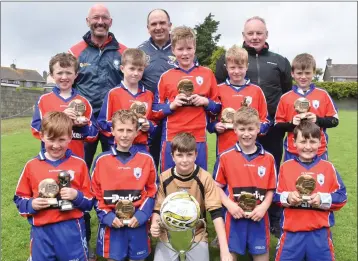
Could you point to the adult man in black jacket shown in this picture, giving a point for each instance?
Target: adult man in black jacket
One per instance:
(272, 73)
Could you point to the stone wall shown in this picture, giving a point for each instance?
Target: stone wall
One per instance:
(18, 102)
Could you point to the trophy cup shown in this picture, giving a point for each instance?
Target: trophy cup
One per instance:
(186, 86)
(247, 201)
(49, 189)
(227, 118)
(305, 185)
(179, 222)
(64, 180)
(140, 110)
(80, 109)
(125, 210)
(302, 105)
(246, 101)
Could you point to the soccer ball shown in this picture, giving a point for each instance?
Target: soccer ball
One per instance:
(180, 211)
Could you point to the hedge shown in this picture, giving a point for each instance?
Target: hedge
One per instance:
(340, 90)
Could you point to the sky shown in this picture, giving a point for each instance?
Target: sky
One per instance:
(33, 32)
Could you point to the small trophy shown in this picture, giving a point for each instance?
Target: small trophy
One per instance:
(64, 180)
(246, 101)
(140, 110)
(186, 86)
(302, 105)
(227, 118)
(49, 189)
(247, 201)
(305, 185)
(80, 109)
(125, 210)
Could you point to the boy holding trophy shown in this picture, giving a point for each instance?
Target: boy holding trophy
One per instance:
(63, 69)
(124, 181)
(246, 176)
(305, 102)
(130, 94)
(186, 95)
(53, 192)
(187, 176)
(234, 93)
(310, 189)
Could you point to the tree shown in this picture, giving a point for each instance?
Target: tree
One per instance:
(319, 72)
(206, 40)
(215, 57)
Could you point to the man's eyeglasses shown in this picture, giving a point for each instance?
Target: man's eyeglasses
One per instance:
(104, 18)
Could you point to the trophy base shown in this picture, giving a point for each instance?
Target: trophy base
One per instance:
(52, 202)
(65, 205)
(306, 198)
(126, 222)
(228, 126)
(141, 121)
(247, 213)
(81, 119)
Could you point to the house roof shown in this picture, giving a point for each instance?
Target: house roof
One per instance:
(8, 73)
(347, 70)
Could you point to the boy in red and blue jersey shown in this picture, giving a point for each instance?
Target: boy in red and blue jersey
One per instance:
(246, 168)
(55, 234)
(306, 223)
(170, 104)
(124, 173)
(320, 110)
(235, 92)
(129, 92)
(64, 68)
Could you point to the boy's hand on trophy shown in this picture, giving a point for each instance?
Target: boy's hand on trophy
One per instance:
(258, 213)
(117, 223)
(198, 100)
(311, 117)
(294, 198)
(296, 119)
(39, 203)
(315, 200)
(70, 112)
(68, 193)
(179, 101)
(145, 126)
(133, 222)
(220, 127)
(235, 210)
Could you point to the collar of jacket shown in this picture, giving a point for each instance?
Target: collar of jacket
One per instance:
(111, 42)
(253, 51)
(168, 43)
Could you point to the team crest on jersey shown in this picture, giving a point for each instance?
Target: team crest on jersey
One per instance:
(147, 57)
(315, 104)
(199, 80)
(248, 100)
(261, 170)
(320, 179)
(171, 60)
(72, 173)
(116, 64)
(137, 172)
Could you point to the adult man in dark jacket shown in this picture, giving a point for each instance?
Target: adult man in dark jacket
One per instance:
(99, 55)
(272, 73)
(159, 53)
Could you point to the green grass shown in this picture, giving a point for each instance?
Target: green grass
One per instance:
(18, 146)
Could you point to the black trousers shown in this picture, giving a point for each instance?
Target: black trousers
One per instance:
(155, 144)
(273, 143)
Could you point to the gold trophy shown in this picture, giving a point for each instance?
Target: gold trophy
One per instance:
(64, 181)
(305, 185)
(80, 108)
(125, 210)
(186, 86)
(247, 201)
(227, 118)
(48, 188)
(140, 110)
(302, 105)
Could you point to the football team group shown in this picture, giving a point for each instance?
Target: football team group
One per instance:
(151, 107)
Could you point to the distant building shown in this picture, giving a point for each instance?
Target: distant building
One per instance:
(50, 82)
(339, 72)
(16, 77)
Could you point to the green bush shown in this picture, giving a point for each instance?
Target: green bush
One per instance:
(340, 90)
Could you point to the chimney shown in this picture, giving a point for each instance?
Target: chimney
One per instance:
(44, 75)
(13, 66)
(329, 62)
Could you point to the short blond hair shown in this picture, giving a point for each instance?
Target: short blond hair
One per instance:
(124, 115)
(182, 33)
(134, 56)
(245, 116)
(56, 124)
(237, 55)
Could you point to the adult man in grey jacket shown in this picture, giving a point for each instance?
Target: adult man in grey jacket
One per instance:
(161, 59)
(272, 72)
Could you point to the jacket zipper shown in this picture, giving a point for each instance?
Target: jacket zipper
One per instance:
(258, 69)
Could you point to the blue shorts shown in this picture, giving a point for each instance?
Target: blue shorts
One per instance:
(119, 243)
(313, 245)
(289, 156)
(61, 241)
(247, 234)
(166, 160)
